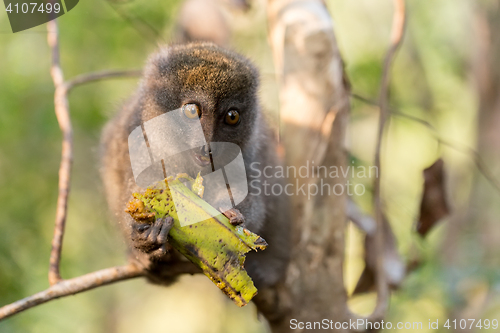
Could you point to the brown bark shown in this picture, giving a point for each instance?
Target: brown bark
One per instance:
(72, 287)
(314, 100)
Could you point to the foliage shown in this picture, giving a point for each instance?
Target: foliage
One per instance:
(430, 80)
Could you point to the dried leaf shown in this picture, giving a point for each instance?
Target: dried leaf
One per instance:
(433, 206)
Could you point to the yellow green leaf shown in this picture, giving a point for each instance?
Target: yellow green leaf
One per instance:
(213, 244)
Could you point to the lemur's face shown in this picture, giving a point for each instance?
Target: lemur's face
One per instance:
(209, 87)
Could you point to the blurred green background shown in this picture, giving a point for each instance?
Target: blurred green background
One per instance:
(431, 79)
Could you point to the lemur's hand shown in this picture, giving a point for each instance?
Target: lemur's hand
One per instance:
(152, 238)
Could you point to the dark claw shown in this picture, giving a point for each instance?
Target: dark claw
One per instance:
(234, 216)
(152, 238)
(261, 241)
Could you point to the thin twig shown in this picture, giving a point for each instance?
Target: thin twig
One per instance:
(148, 32)
(364, 222)
(72, 287)
(98, 76)
(398, 27)
(473, 154)
(365, 99)
(61, 106)
(62, 113)
(59, 287)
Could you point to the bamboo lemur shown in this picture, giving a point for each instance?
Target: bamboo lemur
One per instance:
(221, 87)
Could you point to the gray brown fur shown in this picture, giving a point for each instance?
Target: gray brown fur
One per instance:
(217, 80)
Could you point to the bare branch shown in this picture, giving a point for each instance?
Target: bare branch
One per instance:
(364, 222)
(62, 113)
(98, 76)
(72, 287)
(59, 287)
(476, 157)
(398, 27)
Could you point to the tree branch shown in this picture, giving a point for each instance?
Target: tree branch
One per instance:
(98, 76)
(72, 287)
(62, 113)
(398, 27)
(58, 287)
(476, 157)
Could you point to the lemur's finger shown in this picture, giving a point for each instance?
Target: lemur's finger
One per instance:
(167, 223)
(234, 216)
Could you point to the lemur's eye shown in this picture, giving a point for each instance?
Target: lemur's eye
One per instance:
(192, 111)
(232, 117)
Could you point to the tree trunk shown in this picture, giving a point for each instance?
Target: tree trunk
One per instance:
(314, 105)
